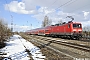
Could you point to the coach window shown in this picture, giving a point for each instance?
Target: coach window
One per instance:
(68, 25)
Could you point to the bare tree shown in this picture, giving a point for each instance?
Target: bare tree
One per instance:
(46, 22)
(4, 31)
(49, 22)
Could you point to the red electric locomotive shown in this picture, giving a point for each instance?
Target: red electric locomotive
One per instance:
(70, 30)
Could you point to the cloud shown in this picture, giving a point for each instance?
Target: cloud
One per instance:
(27, 6)
(55, 9)
(18, 7)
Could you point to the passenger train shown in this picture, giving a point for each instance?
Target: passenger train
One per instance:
(67, 30)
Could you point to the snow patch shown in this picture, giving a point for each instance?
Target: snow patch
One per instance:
(16, 49)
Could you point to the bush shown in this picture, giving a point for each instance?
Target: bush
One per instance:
(5, 32)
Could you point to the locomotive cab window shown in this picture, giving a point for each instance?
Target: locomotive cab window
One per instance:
(76, 25)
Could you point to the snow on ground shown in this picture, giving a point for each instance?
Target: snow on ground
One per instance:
(16, 49)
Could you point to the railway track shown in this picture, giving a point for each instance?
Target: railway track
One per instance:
(72, 48)
(73, 45)
(76, 46)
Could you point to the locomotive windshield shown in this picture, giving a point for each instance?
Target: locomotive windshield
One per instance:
(76, 25)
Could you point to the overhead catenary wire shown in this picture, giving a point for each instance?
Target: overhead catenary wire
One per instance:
(54, 2)
(60, 5)
(67, 4)
(71, 2)
(64, 4)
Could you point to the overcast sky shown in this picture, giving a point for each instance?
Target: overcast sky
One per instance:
(27, 13)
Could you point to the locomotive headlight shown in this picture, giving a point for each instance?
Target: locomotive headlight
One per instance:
(79, 30)
(74, 30)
